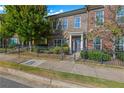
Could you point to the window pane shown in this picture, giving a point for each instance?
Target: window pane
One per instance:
(65, 23)
(120, 44)
(120, 15)
(58, 42)
(99, 17)
(77, 22)
(97, 43)
(97, 47)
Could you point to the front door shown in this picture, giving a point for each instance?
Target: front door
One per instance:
(76, 45)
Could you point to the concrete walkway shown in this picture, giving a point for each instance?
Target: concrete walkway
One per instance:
(82, 69)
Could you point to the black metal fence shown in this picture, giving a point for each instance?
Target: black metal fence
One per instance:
(100, 57)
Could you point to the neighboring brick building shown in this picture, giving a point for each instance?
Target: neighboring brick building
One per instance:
(71, 27)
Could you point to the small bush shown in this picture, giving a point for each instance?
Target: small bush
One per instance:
(58, 50)
(95, 55)
(65, 45)
(66, 49)
(120, 56)
(84, 54)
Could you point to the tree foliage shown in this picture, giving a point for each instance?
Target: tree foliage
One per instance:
(29, 22)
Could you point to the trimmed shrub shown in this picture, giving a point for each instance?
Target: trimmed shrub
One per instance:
(58, 50)
(66, 50)
(95, 55)
(120, 56)
(84, 54)
(65, 45)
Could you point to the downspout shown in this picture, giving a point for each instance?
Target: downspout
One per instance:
(86, 42)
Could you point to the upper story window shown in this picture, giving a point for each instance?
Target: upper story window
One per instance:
(120, 15)
(65, 23)
(59, 24)
(99, 17)
(54, 24)
(77, 22)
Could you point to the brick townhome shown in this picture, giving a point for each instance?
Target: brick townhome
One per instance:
(71, 27)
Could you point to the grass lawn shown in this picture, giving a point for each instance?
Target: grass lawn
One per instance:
(74, 78)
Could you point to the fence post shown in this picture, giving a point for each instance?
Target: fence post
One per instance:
(74, 57)
(101, 57)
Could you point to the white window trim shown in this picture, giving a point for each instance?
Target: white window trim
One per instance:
(96, 18)
(97, 44)
(75, 20)
(57, 40)
(119, 16)
(63, 24)
(57, 26)
(121, 44)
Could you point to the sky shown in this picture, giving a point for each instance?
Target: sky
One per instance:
(1, 9)
(56, 9)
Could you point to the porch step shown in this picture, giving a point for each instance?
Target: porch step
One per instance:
(74, 56)
(77, 55)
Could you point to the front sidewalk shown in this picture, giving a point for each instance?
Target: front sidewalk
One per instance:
(82, 69)
(71, 67)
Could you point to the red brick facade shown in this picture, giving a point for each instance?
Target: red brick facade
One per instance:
(88, 24)
(101, 31)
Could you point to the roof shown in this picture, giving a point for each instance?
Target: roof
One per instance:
(69, 13)
(94, 7)
(77, 11)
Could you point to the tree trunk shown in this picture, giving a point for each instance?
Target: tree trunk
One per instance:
(22, 44)
(114, 47)
(6, 45)
(3, 43)
(30, 46)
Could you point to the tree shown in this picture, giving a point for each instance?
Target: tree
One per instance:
(112, 24)
(111, 28)
(29, 22)
(6, 31)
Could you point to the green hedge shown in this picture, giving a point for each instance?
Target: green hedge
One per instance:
(95, 55)
(120, 56)
(58, 50)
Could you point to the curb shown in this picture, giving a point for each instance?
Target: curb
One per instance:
(38, 79)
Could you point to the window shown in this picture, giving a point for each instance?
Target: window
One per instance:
(97, 43)
(54, 24)
(77, 22)
(120, 44)
(58, 42)
(13, 41)
(99, 18)
(120, 15)
(59, 24)
(65, 23)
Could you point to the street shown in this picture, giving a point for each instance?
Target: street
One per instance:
(6, 83)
